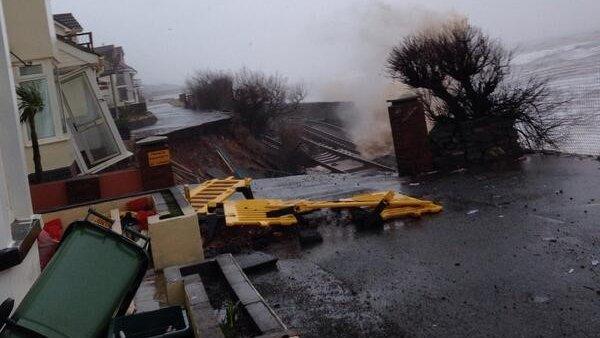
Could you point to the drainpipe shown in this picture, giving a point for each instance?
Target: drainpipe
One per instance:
(114, 95)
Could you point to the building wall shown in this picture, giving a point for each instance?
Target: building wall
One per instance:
(56, 151)
(33, 34)
(61, 30)
(55, 155)
(15, 201)
(71, 215)
(128, 85)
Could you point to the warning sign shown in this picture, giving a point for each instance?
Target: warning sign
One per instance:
(159, 157)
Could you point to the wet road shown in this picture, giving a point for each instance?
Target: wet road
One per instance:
(513, 254)
(171, 118)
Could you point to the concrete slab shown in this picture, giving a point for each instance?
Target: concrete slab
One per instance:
(246, 293)
(263, 317)
(256, 260)
(202, 315)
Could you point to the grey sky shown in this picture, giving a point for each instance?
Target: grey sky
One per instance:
(166, 40)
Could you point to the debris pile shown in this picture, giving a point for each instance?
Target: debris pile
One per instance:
(255, 221)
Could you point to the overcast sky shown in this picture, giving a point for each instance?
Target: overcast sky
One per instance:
(306, 40)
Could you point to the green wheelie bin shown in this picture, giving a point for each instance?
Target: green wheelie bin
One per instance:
(92, 277)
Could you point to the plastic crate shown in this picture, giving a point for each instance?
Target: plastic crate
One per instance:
(166, 322)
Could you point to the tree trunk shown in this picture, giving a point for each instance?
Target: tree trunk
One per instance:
(35, 147)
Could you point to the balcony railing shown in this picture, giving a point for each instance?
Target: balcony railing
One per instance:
(82, 40)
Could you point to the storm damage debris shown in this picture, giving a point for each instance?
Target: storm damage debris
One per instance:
(211, 193)
(383, 205)
(231, 224)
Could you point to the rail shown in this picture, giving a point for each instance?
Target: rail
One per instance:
(328, 137)
(347, 154)
(73, 39)
(183, 174)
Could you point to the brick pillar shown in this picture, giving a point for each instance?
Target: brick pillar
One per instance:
(154, 161)
(409, 131)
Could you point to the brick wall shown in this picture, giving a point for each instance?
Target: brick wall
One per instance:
(473, 142)
(409, 131)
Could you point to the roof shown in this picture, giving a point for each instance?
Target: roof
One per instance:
(107, 49)
(68, 20)
(114, 59)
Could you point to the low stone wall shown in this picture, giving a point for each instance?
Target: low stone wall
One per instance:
(130, 109)
(474, 142)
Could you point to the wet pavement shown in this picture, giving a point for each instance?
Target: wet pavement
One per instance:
(171, 118)
(514, 253)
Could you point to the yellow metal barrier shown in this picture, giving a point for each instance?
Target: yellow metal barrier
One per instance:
(213, 192)
(409, 211)
(254, 213)
(370, 200)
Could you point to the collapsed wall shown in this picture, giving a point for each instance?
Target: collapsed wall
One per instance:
(448, 145)
(457, 145)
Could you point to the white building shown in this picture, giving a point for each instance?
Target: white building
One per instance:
(15, 203)
(117, 81)
(76, 132)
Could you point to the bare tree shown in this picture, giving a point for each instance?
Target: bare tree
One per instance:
(463, 75)
(259, 98)
(211, 90)
(255, 98)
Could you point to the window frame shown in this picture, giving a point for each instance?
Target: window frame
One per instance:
(123, 153)
(123, 90)
(54, 107)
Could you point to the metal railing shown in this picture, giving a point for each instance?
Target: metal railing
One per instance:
(83, 40)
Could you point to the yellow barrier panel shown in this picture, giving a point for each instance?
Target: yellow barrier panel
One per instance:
(254, 213)
(409, 211)
(370, 200)
(212, 192)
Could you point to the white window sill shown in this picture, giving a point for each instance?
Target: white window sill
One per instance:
(49, 140)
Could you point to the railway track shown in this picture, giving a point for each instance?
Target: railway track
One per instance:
(184, 175)
(327, 146)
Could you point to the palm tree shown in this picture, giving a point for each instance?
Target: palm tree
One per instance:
(31, 102)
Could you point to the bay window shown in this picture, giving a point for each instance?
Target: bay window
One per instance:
(47, 122)
(44, 120)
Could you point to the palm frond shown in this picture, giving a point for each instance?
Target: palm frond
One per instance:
(31, 101)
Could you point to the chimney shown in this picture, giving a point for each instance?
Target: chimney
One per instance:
(409, 131)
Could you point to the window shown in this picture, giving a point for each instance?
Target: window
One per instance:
(94, 139)
(123, 95)
(44, 120)
(30, 70)
(120, 79)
